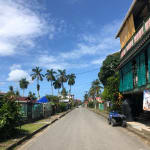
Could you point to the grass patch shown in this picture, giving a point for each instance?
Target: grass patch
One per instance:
(19, 133)
(31, 127)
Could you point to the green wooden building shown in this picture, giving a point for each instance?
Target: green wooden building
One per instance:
(134, 67)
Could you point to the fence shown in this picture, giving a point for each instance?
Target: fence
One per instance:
(47, 109)
(35, 111)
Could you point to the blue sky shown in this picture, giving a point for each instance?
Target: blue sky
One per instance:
(75, 35)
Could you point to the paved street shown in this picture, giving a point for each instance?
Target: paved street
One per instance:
(84, 130)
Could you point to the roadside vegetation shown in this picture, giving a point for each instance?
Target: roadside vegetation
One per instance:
(11, 125)
(107, 84)
(10, 116)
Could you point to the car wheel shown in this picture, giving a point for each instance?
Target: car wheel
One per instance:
(124, 124)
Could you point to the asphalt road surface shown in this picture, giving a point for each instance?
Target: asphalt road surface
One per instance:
(82, 129)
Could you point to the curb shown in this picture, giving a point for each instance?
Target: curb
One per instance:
(129, 128)
(141, 134)
(99, 113)
(11, 147)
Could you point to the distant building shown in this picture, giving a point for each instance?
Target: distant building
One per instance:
(90, 99)
(67, 97)
(65, 100)
(85, 103)
(25, 100)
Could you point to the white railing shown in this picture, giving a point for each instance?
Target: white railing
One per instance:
(135, 38)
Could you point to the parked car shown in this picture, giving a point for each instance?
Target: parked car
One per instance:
(115, 118)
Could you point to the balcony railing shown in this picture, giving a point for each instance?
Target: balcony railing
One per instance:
(136, 37)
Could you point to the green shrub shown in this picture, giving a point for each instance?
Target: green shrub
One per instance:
(91, 104)
(52, 98)
(10, 116)
(63, 107)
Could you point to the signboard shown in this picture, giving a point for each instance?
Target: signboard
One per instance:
(146, 100)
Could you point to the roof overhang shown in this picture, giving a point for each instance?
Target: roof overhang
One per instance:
(126, 17)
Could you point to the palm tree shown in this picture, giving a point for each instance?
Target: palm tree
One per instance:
(86, 97)
(32, 95)
(62, 77)
(64, 93)
(17, 93)
(57, 85)
(38, 76)
(96, 85)
(11, 88)
(71, 81)
(92, 93)
(23, 84)
(95, 89)
(50, 77)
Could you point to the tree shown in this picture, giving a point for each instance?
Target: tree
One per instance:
(32, 95)
(62, 77)
(109, 67)
(71, 81)
(23, 84)
(92, 93)
(105, 94)
(57, 85)
(64, 93)
(50, 77)
(17, 93)
(96, 85)
(113, 86)
(10, 116)
(11, 88)
(111, 91)
(54, 99)
(86, 97)
(95, 89)
(38, 76)
(91, 104)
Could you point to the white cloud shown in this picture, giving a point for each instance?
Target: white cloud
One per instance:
(101, 43)
(89, 38)
(19, 26)
(6, 49)
(82, 50)
(44, 59)
(49, 62)
(16, 73)
(56, 66)
(97, 61)
(2, 83)
(15, 66)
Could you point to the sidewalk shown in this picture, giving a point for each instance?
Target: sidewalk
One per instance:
(142, 130)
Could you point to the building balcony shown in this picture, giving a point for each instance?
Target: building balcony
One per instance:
(136, 40)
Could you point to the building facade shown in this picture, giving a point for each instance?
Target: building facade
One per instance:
(134, 67)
